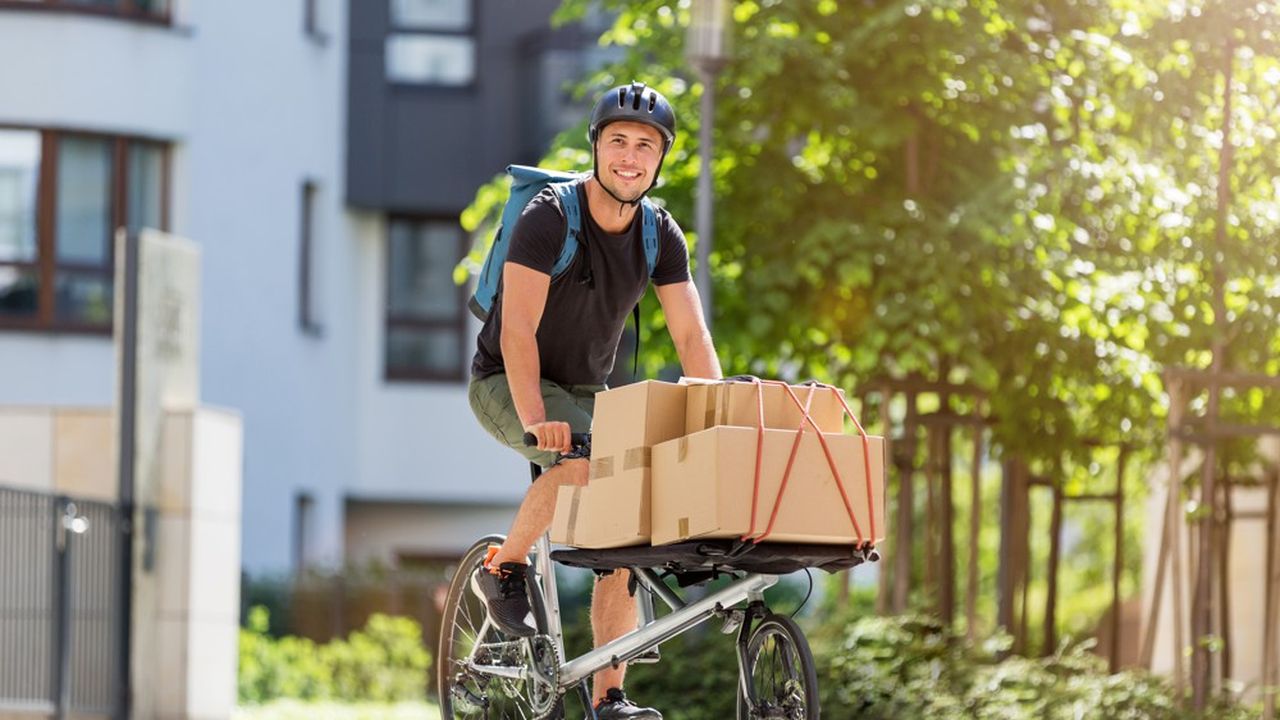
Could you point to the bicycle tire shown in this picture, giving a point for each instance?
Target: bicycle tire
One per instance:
(460, 599)
(796, 696)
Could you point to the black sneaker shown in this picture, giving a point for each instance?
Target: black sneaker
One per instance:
(506, 595)
(616, 706)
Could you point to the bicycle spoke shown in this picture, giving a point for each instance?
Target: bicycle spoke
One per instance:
(780, 673)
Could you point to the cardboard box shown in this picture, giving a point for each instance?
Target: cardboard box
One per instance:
(608, 513)
(737, 403)
(613, 509)
(702, 487)
(631, 419)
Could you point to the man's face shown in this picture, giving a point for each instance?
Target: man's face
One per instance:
(628, 154)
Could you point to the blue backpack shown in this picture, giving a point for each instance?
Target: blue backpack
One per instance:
(526, 182)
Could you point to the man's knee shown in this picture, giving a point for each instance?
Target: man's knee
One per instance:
(617, 581)
(568, 472)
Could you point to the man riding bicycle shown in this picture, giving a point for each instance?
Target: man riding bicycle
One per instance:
(549, 344)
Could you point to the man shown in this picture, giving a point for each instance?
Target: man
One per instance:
(549, 344)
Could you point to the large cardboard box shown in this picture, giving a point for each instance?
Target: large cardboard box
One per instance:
(738, 403)
(640, 415)
(702, 487)
(607, 513)
(613, 509)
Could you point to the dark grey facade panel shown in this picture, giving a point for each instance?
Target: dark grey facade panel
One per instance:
(424, 150)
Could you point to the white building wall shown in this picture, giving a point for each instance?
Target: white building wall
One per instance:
(95, 73)
(253, 106)
(420, 441)
(268, 113)
(86, 73)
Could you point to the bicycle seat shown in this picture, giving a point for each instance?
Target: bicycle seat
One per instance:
(701, 556)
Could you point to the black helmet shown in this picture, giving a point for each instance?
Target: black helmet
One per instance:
(638, 103)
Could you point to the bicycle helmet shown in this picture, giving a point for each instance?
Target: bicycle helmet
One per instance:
(637, 103)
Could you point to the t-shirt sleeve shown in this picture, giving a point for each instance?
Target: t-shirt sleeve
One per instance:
(538, 237)
(673, 252)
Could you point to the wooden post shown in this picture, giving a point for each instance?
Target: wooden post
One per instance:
(1117, 569)
(882, 575)
(975, 523)
(1174, 523)
(1157, 588)
(1202, 600)
(1271, 610)
(946, 527)
(1013, 552)
(906, 510)
(1055, 556)
(1222, 529)
(932, 518)
(1202, 603)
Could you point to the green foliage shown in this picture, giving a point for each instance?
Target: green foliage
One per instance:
(384, 662)
(874, 668)
(1022, 195)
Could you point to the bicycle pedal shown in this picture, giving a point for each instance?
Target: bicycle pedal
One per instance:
(648, 657)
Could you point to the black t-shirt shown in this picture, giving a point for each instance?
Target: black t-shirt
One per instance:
(580, 328)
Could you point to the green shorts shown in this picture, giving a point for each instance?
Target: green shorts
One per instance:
(492, 404)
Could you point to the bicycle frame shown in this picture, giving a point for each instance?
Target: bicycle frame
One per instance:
(651, 633)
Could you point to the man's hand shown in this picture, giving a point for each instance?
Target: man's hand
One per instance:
(552, 435)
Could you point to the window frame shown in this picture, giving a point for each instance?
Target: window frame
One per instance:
(46, 264)
(311, 25)
(308, 321)
(458, 324)
(127, 10)
(470, 32)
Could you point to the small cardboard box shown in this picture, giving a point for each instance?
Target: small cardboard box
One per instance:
(702, 487)
(737, 403)
(608, 513)
(640, 415)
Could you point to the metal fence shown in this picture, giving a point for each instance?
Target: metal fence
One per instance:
(60, 601)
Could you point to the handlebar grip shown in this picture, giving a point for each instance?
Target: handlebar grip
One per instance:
(575, 439)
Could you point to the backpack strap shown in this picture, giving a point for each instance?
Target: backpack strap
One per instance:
(567, 194)
(649, 229)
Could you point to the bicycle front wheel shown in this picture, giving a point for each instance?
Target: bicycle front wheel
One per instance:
(469, 643)
(779, 679)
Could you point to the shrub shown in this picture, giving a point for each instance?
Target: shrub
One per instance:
(384, 662)
(912, 666)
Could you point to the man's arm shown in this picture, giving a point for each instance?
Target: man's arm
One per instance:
(683, 309)
(524, 297)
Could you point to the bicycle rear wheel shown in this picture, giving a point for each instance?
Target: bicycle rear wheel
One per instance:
(779, 673)
(467, 639)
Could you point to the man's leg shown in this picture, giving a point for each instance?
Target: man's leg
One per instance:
(613, 614)
(536, 510)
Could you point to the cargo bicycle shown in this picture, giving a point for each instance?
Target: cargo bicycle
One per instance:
(484, 674)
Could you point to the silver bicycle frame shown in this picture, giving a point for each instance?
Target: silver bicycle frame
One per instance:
(652, 632)
(546, 570)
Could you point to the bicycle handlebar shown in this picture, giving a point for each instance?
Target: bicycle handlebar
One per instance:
(575, 439)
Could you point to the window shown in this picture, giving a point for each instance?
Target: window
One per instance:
(425, 307)
(308, 264)
(62, 195)
(19, 180)
(431, 43)
(148, 10)
(311, 24)
(304, 506)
